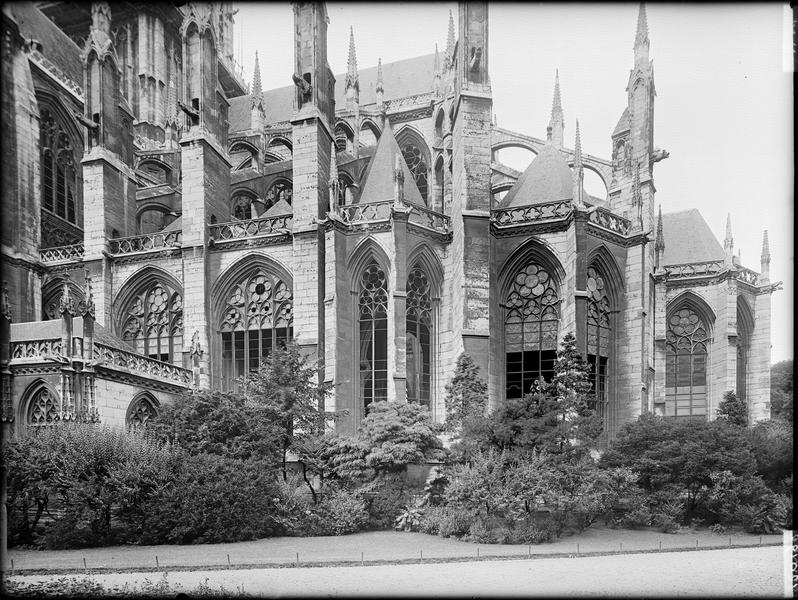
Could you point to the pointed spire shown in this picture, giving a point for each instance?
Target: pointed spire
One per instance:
(579, 172)
(257, 88)
(436, 78)
(728, 241)
(659, 243)
(765, 259)
(554, 132)
(450, 41)
(641, 37)
(351, 81)
(437, 65)
(577, 148)
(379, 89)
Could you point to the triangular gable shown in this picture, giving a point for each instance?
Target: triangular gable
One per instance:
(378, 183)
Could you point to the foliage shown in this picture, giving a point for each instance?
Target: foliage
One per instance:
(556, 416)
(677, 457)
(342, 512)
(781, 391)
(409, 518)
(733, 409)
(772, 445)
(746, 500)
(385, 498)
(466, 402)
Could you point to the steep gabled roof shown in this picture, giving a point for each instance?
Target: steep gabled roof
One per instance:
(378, 182)
(547, 179)
(239, 115)
(688, 238)
(623, 122)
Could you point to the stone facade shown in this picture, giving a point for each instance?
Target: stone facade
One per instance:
(365, 215)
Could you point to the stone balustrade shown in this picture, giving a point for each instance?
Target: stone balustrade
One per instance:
(430, 219)
(113, 357)
(159, 240)
(605, 219)
(365, 213)
(44, 349)
(696, 269)
(62, 253)
(748, 276)
(531, 213)
(249, 228)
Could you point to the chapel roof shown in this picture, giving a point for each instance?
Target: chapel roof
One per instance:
(378, 182)
(547, 179)
(688, 238)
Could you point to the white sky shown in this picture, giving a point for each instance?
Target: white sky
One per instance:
(723, 108)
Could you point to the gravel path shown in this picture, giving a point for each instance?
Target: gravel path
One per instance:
(749, 572)
(374, 546)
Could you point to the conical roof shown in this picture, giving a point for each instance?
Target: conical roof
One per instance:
(378, 184)
(547, 179)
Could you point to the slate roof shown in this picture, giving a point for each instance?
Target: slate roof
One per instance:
(50, 330)
(688, 238)
(57, 46)
(378, 182)
(547, 179)
(623, 122)
(400, 79)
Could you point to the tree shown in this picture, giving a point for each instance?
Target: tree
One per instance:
(781, 390)
(466, 395)
(733, 409)
(772, 445)
(556, 416)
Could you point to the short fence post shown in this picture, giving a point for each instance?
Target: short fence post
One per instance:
(228, 560)
(158, 566)
(297, 559)
(577, 549)
(696, 544)
(12, 566)
(760, 541)
(529, 551)
(621, 548)
(361, 558)
(477, 552)
(84, 564)
(730, 541)
(422, 555)
(660, 545)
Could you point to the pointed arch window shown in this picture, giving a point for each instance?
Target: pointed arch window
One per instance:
(419, 334)
(532, 316)
(416, 162)
(686, 345)
(257, 318)
(599, 332)
(745, 327)
(153, 322)
(373, 334)
(59, 176)
(242, 207)
(141, 412)
(43, 409)
(280, 190)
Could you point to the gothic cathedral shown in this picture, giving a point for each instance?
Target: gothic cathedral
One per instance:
(166, 227)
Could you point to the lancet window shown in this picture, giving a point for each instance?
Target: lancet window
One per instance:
(686, 364)
(153, 322)
(281, 190)
(141, 412)
(599, 333)
(257, 318)
(419, 334)
(373, 334)
(59, 176)
(43, 409)
(417, 164)
(744, 329)
(530, 329)
(242, 207)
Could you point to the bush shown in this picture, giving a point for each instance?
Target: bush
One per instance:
(772, 445)
(409, 519)
(385, 498)
(453, 523)
(531, 532)
(733, 410)
(479, 532)
(769, 515)
(342, 512)
(639, 517)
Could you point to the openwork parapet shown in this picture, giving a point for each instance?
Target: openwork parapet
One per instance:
(236, 230)
(113, 357)
(748, 276)
(144, 243)
(696, 269)
(611, 222)
(45, 349)
(365, 213)
(61, 253)
(531, 213)
(430, 219)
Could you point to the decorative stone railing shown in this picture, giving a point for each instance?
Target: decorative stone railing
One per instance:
(113, 357)
(611, 222)
(236, 230)
(144, 243)
(696, 269)
(47, 349)
(531, 213)
(423, 98)
(62, 253)
(748, 276)
(429, 219)
(365, 213)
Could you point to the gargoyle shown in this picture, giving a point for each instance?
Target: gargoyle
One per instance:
(87, 123)
(300, 82)
(476, 56)
(188, 110)
(659, 154)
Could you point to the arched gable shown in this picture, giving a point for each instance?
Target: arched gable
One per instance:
(133, 286)
(142, 407)
(32, 394)
(603, 260)
(239, 270)
(367, 249)
(691, 300)
(533, 249)
(423, 256)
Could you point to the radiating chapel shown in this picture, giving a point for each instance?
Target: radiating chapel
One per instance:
(166, 226)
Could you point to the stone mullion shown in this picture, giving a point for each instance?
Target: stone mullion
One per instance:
(400, 306)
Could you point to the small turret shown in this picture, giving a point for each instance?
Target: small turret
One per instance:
(352, 81)
(765, 259)
(556, 128)
(256, 98)
(728, 242)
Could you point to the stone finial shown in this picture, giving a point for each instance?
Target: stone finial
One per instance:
(351, 79)
(399, 180)
(659, 243)
(641, 37)
(101, 19)
(728, 241)
(86, 305)
(579, 172)
(449, 59)
(555, 130)
(195, 349)
(257, 86)
(5, 305)
(67, 303)
(765, 259)
(577, 148)
(379, 86)
(436, 78)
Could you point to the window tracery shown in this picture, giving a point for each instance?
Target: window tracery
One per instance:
(141, 413)
(43, 409)
(281, 190)
(373, 328)
(686, 364)
(419, 333)
(242, 207)
(530, 328)
(599, 333)
(416, 162)
(154, 322)
(59, 176)
(257, 317)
